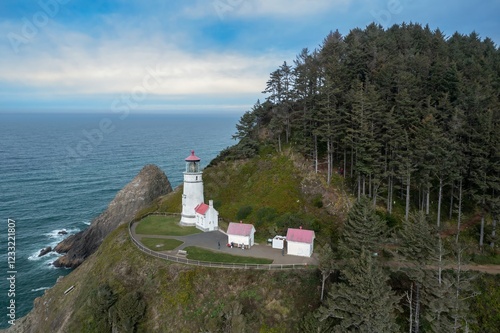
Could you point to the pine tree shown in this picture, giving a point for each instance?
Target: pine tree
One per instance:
(433, 291)
(363, 229)
(247, 124)
(326, 265)
(364, 302)
(417, 241)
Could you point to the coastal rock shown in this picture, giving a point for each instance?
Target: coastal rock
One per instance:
(140, 193)
(45, 251)
(62, 232)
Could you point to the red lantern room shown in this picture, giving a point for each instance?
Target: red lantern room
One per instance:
(192, 163)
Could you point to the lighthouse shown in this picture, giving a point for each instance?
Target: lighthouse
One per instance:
(192, 195)
(195, 212)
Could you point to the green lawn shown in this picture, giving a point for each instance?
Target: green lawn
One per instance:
(196, 253)
(164, 225)
(157, 244)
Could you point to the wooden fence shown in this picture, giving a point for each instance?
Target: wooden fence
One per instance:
(186, 261)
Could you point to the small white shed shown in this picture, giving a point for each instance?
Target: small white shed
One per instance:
(300, 242)
(279, 242)
(240, 233)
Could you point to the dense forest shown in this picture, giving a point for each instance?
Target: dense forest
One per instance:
(404, 113)
(411, 119)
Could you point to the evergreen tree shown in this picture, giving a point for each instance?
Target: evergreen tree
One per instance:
(363, 229)
(247, 125)
(432, 290)
(364, 301)
(407, 111)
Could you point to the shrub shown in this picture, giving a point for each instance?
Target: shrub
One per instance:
(290, 220)
(243, 212)
(127, 312)
(390, 220)
(265, 216)
(318, 201)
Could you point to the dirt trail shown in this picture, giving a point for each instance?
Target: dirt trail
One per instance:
(475, 219)
(490, 269)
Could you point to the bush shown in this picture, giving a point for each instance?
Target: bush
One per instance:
(390, 220)
(246, 148)
(265, 216)
(485, 307)
(290, 220)
(127, 312)
(318, 201)
(491, 259)
(243, 212)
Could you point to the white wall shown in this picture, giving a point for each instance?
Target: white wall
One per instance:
(212, 217)
(278, 242)
(238, 239)
(192, 196)
(209, 221)
(299, 249)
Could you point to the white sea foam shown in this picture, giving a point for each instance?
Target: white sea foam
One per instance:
(34, 256)
(39, 289)
(56, 234)
(54, 238)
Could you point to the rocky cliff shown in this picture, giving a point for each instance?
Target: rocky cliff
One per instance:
(112, 285)
(140, 193)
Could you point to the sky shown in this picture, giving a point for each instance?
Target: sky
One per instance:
(184, 56)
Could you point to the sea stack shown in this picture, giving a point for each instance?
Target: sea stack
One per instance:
(140, 193)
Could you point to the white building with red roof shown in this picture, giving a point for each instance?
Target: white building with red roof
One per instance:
(194, 210)
(240, 233)
(300, 242)
(207, 217)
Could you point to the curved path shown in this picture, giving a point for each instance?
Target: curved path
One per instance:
(211, 240)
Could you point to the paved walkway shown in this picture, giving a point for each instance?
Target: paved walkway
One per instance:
(210, 241)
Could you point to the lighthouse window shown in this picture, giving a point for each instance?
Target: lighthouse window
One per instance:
(196, 177)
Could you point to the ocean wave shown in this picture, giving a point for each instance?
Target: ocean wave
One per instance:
(34, 256)
(54, 238)
(41, 288)
(55, 233)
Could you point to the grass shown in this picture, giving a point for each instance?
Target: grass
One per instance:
(157, 244)
(164, 225)
(483, 259)
(259, 182)
(196, 253)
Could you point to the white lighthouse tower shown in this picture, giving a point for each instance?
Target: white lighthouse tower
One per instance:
(193, 190)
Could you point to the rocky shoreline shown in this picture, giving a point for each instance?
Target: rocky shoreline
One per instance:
(140, 193)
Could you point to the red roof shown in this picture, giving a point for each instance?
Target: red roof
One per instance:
(240, 229)
(192, 157)
(300, 235)
(201, 208)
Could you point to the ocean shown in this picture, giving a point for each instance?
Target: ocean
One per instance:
(60, 171)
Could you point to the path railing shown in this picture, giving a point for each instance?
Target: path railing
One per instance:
(155, 214)
(186, 261)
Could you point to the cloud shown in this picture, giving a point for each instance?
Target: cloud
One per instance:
(286, 9)
(60, 62)
(294, 8)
